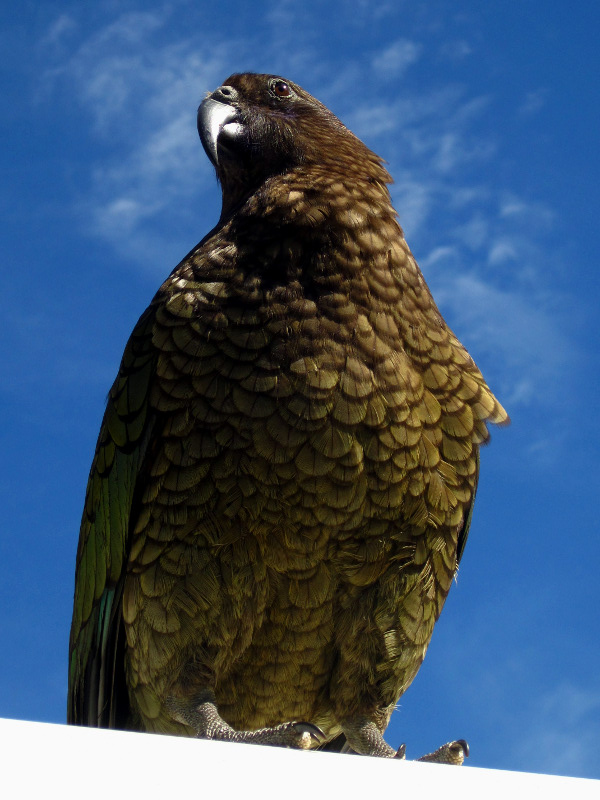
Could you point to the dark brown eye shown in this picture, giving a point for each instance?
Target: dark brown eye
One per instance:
(281, 89)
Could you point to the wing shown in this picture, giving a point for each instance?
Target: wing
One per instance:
(97, 692)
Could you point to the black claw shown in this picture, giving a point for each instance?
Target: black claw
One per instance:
(401, 751)
(465, 746)
(315, 732)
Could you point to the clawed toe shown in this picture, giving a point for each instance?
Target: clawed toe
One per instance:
(401, 752)
(298, 735)
(202, 715)
(309, 732)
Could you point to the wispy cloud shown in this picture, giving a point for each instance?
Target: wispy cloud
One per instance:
(140, 90)
(562, 736)
(456, 49)
(397, 57)
(58, 31)
(533, 102)
(506, 326)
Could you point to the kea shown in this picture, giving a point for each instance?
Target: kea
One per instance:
(285, 473)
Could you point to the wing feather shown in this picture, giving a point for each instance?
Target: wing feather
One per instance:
(97, 693)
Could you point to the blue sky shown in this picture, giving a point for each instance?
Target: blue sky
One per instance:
(488, 117)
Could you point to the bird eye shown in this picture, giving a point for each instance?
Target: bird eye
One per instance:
(281, 89)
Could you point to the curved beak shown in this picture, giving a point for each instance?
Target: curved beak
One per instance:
(214, 117)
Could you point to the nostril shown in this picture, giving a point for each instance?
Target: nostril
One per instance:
(226, 93)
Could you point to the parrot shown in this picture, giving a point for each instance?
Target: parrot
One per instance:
(285, 473)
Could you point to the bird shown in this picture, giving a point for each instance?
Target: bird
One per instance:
(285, 473)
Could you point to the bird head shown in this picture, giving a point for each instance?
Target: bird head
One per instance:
(254, 127)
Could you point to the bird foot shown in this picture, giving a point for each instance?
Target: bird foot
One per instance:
(449, 753)
(364, 737)
(202, 715)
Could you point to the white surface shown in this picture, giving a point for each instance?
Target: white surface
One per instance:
(40, 760)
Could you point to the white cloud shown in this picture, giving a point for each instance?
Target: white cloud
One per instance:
(141, 91)
(511, 330)
(562, 736)
(502, 250)
(571, 704)
(528, 214)
(456, 50)
(373, 120)
(475, 232)
(58, 31)
(415, 202)
(395, 59)
(533, 102)
(123, 75)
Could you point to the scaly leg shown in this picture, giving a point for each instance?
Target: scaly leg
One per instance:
(364, 737)
(202, 715)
